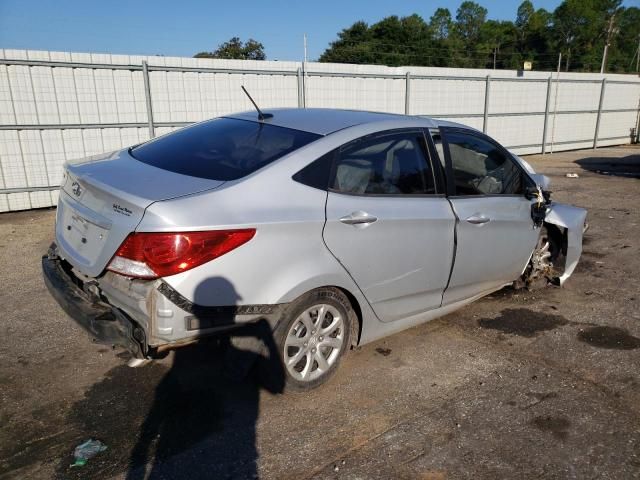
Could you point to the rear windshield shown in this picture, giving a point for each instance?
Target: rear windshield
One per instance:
(221, 149)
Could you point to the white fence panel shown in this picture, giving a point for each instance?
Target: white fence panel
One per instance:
(57, 106)
(442, 97)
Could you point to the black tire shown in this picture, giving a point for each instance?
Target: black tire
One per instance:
(326, 295)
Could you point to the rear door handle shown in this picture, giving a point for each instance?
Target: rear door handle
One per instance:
(478, 219)
(357, 218)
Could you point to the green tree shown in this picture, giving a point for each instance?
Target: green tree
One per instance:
(577, 28)
(580, 30)
(524, 15)
(464, 43)
(624, 46)
(533, 27)
(499, 38)
(237, 50)
(443, 39)
(352, 46)
(469, 20)
(391, 41)
(440, 24)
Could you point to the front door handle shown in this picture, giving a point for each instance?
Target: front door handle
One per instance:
(478, 219)
(357, 218)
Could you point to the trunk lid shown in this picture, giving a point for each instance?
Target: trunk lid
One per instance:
(103, 199)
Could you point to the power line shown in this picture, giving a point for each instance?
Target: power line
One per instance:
(464, 55)
(374, 43)
(484, 58)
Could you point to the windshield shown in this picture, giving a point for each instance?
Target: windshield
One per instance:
(221, 149)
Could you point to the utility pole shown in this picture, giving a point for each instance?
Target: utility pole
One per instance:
(607, 43)
(495, 49)
(304, 72)
(304, 39)
(638, 59)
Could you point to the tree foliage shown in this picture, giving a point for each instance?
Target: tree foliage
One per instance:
(237, 50)
(578, 29)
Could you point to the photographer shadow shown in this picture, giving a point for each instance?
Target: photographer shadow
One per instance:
(202, 421)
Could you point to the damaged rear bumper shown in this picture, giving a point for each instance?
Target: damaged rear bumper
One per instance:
(142, 316)
(104, 323)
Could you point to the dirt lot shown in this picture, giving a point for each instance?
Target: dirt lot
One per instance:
(518, 385)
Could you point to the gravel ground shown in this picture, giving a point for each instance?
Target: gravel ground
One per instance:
(541, 384)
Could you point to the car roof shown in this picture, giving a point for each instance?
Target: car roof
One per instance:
(323, 121)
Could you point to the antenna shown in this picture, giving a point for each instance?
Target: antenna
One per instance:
(261, 116)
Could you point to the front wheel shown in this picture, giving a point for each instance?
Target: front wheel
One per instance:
(313, 336)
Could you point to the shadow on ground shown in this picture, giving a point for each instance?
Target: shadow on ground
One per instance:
(192, 420)
(628, 166)
(523, 322)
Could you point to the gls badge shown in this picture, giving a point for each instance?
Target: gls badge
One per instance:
(76, 189)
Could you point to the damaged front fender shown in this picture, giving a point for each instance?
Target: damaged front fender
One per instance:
(572, 220)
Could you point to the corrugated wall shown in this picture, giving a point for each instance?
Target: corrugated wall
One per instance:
(56, 106)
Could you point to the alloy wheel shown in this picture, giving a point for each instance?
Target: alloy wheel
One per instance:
(314, 342)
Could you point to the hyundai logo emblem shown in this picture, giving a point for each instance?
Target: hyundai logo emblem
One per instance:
(76, 189)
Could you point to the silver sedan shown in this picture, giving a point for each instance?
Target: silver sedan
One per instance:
(335, 227)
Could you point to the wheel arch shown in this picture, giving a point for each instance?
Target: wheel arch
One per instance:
(356, 302)
(356, 319)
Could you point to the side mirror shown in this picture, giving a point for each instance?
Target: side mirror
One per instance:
(531, 192)
(542, 181)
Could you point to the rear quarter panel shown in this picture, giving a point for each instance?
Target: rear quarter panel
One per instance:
(286, 258)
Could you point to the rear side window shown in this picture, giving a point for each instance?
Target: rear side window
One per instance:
(393, 164)
(221, 149)
(317, 173)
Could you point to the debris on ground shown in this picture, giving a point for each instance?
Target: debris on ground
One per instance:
(572, 175)
(87, 450)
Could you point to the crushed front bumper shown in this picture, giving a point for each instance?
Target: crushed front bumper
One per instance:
(104, 323)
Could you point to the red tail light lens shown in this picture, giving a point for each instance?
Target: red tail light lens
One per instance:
(153, 255)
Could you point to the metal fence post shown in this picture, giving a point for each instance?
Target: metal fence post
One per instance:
(300, 88)
(304, 84)
(486, 104)
(546, 116)
(407, 93)
(637, 139)
(595, 135)
(147, 95)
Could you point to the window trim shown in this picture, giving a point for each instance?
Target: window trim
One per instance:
(414, 130)
(436, 165)
(450, 181)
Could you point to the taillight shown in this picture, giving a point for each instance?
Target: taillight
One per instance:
(153, 255)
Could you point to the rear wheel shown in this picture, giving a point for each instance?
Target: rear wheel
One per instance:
(313, 336)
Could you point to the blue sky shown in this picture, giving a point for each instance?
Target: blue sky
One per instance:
(183, 28)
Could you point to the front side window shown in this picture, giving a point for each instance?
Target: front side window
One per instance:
(221, 149)
(480, 167)
(393, 164)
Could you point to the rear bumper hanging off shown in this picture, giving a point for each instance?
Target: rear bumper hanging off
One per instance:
(104, 323)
